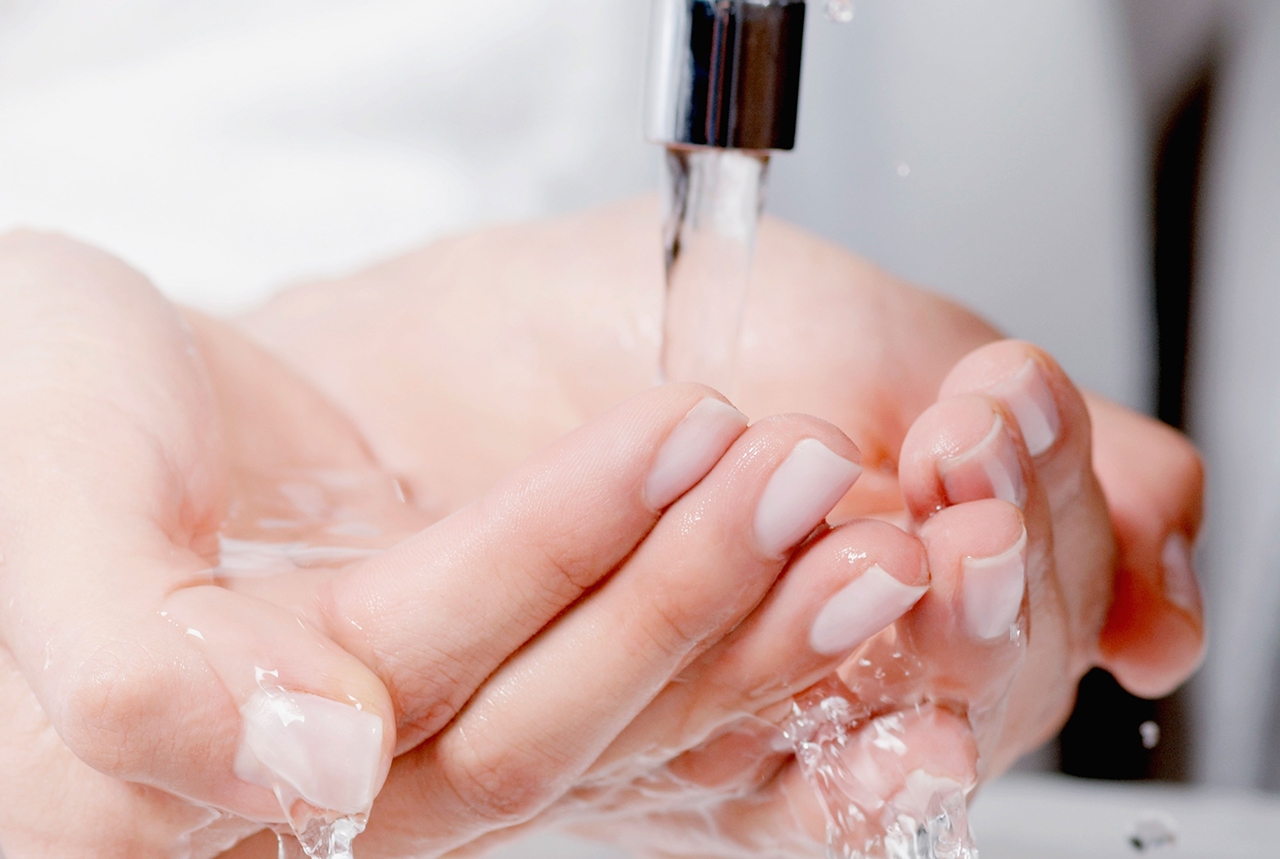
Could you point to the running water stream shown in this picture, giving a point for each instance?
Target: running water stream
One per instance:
(712, 199)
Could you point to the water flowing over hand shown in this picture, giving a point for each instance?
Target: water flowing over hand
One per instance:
(637, 693)
(536, 339)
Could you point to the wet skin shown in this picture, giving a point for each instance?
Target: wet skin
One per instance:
(451, 366)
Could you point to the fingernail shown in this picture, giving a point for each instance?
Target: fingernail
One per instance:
(1028, 396)
(328, 753)
(325, 749)
(993, 589)
(861, 609)
(1181, 587)
(800, 494)
(692, 450)
(922, 790)
(988, 469)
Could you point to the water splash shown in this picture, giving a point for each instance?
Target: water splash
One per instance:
(878, 803)
(712, 199)
(890, 751)
(320, 838)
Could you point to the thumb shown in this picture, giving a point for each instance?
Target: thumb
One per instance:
(109, 491)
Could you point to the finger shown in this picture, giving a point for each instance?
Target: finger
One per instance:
(965, 452)
(969, 631)
(439, 613)
(105, 508)
(546, 715)
(53, 804)
(839, 591)
(1055, 426)
(1154, 482)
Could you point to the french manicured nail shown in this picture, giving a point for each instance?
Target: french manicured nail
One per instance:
(1028, 396)
(993, 589)
(990, 469)
(1181, 586)
(327, 752)
(692, 450)
(861, 609)
(800, 494)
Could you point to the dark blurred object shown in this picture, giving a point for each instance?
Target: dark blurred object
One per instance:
(1103, 739)
(1177, 193)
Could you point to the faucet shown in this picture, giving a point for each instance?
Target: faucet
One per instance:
(725, 73)
(724, 93)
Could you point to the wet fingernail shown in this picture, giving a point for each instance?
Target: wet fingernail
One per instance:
(1181, 587)
(1028, 396)
(990, 469)
(861, 609)
(328, 753)
(993, 589)
(800, 494)
(324, 749)
(692, 450)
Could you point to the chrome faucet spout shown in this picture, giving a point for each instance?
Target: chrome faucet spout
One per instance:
(725, 73)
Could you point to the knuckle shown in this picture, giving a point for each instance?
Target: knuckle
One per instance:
(574, 544)
(105, 706)
(501, 786)
(429, 686)
(671, 627)
(563, 571)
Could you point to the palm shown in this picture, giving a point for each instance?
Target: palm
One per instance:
(458, 360)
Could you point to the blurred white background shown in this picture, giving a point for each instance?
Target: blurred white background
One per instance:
(228, 148)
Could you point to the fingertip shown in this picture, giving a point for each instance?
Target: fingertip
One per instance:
(791, 472)
(692, 449)
(959, 450)
(1153, 638)
(314, 726)
(1044, 403)
(877, 573)
(977, 552)
(799, 495)
(1154, 635)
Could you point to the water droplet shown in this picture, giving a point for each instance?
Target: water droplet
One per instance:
(904, 170)
(1154, 832)
(1150, 732)
(840, 11)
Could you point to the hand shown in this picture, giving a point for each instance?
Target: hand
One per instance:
(502, 651)
(516, 335)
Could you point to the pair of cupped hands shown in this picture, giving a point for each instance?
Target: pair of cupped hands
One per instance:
(608, 593)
